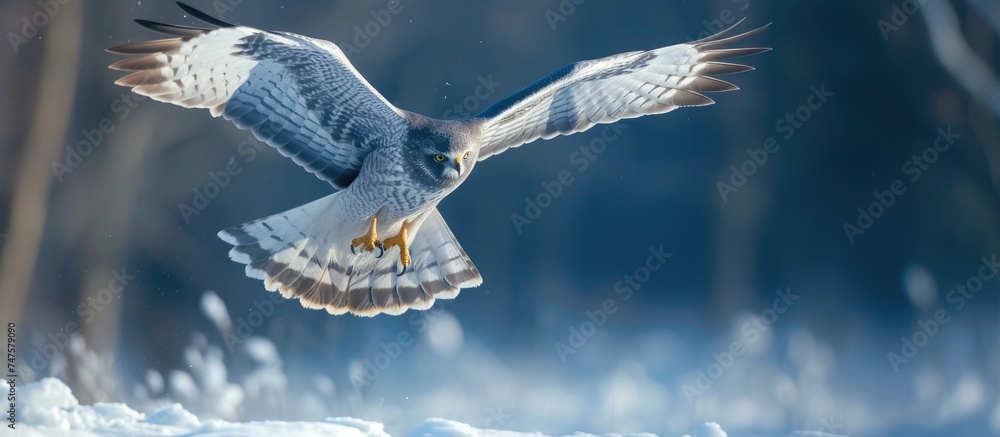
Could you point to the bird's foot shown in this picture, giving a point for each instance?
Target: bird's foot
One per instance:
(404, 247)
(369, 242)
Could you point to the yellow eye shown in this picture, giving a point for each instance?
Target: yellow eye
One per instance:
(439, 158)
(466, 156)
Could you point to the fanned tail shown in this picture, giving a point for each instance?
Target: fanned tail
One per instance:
(305, 253)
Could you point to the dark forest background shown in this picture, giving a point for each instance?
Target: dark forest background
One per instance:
(896, 74)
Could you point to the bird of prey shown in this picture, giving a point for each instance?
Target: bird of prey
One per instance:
(377, 244)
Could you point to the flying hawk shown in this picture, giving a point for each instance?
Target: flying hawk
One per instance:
(388, 167)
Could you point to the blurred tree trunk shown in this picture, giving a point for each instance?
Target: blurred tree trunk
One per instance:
(33, 178)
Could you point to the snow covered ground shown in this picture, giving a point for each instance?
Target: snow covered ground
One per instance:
(656, 382)
(662, 382)
(48, 409)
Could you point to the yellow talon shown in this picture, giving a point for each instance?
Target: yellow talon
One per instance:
(369, 241)
(404, 246)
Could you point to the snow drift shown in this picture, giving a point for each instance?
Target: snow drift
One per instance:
(48, 409)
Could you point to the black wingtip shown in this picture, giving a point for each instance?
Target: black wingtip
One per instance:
(718, 39)
(171, 29)
(203, 16)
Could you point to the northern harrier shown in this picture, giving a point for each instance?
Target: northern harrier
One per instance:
(389, 167)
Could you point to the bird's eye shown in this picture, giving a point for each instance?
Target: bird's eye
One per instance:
(466, 156)
(439, 158)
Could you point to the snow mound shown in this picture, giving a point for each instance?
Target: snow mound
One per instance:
(48, 408)
(710, 429)
(813, 434)
(448, 428)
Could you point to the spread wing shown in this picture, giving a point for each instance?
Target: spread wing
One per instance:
(297, 94)
(628, 85)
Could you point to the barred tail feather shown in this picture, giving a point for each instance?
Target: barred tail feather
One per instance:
(305, 253)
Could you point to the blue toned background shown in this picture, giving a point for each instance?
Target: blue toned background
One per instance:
(710, 264)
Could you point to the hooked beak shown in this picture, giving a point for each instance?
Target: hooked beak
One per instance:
(458, 165)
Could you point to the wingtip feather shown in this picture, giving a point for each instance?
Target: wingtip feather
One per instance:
(171, 29)
(718, 39)
(711, 55)
(145, 48)
(687, 98)
(720, 68)
(203, 16)
(718, 35)
(139, 63)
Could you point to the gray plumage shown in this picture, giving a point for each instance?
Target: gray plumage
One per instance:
(303, 97)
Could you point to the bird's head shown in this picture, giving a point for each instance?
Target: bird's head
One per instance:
(444, 156)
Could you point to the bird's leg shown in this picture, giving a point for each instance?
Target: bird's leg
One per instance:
(369, 241)
(401, 240)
